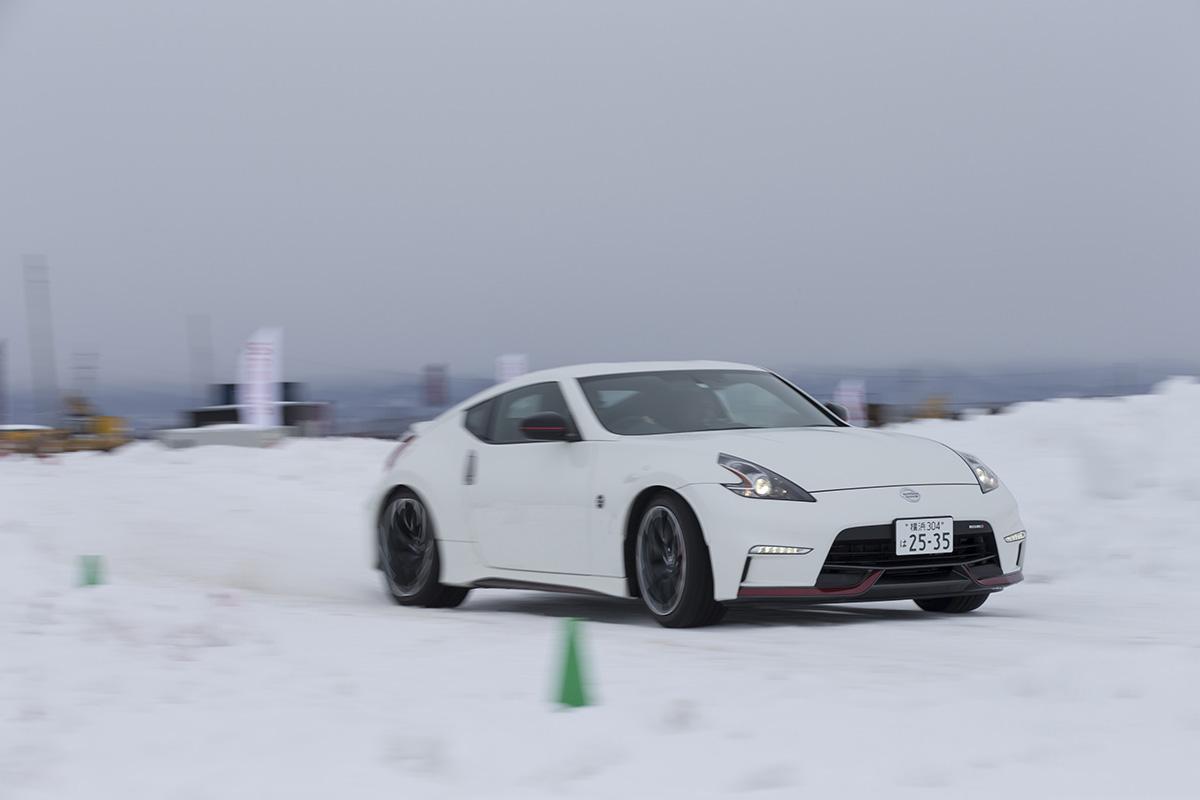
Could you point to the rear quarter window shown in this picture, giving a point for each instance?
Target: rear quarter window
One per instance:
(478, 419)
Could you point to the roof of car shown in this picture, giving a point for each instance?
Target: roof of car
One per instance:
(591, 370)
(621, 367)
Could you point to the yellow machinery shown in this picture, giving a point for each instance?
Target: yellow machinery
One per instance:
(26, 439)
(84, 430)
(936, 407)
(88, 430)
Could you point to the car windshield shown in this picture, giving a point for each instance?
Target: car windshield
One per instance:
(643, 403)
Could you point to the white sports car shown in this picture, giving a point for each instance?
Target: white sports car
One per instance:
(690, 485)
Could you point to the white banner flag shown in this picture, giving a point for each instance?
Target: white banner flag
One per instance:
(512, 365)
(260, 379)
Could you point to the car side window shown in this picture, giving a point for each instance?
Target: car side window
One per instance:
(515, 406)
(478, 419)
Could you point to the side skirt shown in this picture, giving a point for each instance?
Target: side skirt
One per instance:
(537, 586)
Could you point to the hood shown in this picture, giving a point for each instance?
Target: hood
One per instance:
(823, 459)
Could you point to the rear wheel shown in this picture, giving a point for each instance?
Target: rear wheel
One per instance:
(408, 555)
(673, 570)
(952, 605)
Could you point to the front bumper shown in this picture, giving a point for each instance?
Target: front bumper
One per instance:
(849, 532)
(876, 586)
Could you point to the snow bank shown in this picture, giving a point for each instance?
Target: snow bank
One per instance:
(1105, 485)
(243, 649)
(280, 520)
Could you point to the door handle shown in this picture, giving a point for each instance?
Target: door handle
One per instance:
(469, 472)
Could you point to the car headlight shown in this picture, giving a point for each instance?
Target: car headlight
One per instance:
(760, 482)
(987, 479)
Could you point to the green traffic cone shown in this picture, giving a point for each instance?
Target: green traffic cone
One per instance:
(90, 571)
(571, 692)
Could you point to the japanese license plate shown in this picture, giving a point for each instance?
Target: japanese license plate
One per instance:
(924, 537)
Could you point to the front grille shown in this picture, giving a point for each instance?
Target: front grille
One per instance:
(873, 547)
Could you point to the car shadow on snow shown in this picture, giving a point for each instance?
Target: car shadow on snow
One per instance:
(596, 608)
(761, 614)
(592, 608)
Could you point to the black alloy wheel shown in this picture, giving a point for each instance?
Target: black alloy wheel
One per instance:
(408, 554)
(674, 575)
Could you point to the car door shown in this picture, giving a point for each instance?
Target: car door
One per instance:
(528, 501)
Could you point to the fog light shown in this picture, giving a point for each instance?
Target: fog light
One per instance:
(1019, 536)
(778, 550)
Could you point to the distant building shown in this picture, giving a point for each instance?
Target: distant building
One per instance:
(309, 418)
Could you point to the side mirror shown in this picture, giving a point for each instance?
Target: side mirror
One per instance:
(839, 411)
(548, 427)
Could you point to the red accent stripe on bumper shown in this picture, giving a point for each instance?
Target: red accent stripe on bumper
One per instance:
(999, 580)
(810, 591)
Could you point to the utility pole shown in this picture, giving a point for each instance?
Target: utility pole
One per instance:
(41, 340)
(86, 368)
(3, 383)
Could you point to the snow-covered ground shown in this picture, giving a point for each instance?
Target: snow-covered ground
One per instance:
(242, 647)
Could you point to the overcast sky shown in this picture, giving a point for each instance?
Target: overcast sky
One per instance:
(789, 182)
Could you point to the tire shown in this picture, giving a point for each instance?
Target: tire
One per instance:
(674, 573)
(952, 605)
(408, 554)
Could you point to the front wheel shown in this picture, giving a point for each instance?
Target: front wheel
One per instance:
(673, 570)
(952, 605)
(408, 555)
